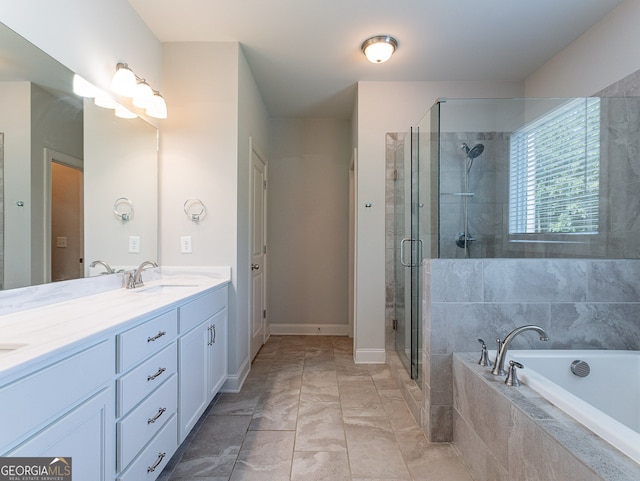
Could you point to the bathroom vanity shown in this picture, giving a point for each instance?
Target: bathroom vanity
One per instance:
(116, 380)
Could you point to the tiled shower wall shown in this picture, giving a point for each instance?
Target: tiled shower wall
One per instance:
(582, 304)
(489, 183)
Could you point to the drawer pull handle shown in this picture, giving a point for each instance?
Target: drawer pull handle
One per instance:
(213, 341)
(161, 456)
(156, 337)
(155, 418)
(153, 376)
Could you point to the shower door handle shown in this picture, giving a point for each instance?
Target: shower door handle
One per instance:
(419, 261)
(406, 239)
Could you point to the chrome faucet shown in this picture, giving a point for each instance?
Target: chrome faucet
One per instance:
(503, 346)
(103, 264)
(134, 279)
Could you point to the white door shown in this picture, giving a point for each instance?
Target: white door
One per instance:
(258, 251)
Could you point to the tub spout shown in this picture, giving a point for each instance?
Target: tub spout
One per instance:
(503, 346)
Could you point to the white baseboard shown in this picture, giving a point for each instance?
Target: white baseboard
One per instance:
(234, 382)
(370, 356)
(309, 329)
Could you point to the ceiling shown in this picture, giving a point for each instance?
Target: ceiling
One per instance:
(306, 59)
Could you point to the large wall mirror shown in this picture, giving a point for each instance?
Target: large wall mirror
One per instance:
(65, 168)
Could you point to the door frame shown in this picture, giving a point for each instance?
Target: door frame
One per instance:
(253, 149)
(51, 156)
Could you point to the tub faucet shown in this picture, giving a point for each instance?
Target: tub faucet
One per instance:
(503, 346)
(134, 279)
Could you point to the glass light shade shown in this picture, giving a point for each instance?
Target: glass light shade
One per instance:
(158, 108)
(105, 101)
(83, 88)
(143, 95)
(124, 113)
(379, 49)
(124, 81)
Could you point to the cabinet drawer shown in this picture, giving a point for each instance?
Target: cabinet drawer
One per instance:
(135, 385)
(34, 399)
(141, 424)
(196, 311)
(150, 463)
(146, 339)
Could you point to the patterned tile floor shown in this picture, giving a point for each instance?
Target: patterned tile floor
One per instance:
(308, 413)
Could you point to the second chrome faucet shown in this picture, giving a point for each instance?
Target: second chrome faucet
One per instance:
(503, 346)
(133, 279)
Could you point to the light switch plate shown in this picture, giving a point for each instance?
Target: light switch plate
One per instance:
(185, 244)
(134, 244)
(61, 242)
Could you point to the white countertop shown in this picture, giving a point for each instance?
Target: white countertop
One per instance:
(56, 327)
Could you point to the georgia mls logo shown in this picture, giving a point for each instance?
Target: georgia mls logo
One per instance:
(35, 469)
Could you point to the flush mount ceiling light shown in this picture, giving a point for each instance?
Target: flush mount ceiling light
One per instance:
(379, 49)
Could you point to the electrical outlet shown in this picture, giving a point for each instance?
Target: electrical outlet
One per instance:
(185, 244)
(134, 244)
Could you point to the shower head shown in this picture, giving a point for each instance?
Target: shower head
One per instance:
(475, 151)
(472, 152)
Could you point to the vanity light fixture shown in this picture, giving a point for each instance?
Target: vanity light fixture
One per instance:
(128, 84)
(379, 49)
(83, 88)
(124, 80)
(104, 100)
(158, 107)
(124, 113)
(143, 95)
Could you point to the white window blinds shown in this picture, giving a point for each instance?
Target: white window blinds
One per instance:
(554, 171)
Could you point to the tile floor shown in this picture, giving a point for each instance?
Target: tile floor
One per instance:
(308, 413)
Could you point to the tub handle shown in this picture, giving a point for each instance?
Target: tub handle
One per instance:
(484, 356)
(512, 374)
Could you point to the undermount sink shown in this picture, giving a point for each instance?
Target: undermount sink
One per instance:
(6, 348)
(164, 288)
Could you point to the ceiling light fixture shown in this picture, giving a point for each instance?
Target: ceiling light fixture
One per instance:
(379, 49)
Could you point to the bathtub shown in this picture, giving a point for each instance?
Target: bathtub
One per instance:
(607, 400)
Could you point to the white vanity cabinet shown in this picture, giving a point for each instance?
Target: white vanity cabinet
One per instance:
(122, 388)
(202, 356)
(147, 388)
(64, 409)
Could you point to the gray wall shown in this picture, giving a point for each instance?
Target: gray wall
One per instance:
(308, 226)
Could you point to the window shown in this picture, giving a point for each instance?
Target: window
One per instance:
(555, 170)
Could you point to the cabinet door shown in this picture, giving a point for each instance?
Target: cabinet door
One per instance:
(85, 434)
(193, 352)
(217, 353)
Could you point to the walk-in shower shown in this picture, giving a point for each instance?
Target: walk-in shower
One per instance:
(505, 178)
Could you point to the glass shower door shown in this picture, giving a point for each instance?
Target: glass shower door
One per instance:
(402, 235)
(408, 249)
